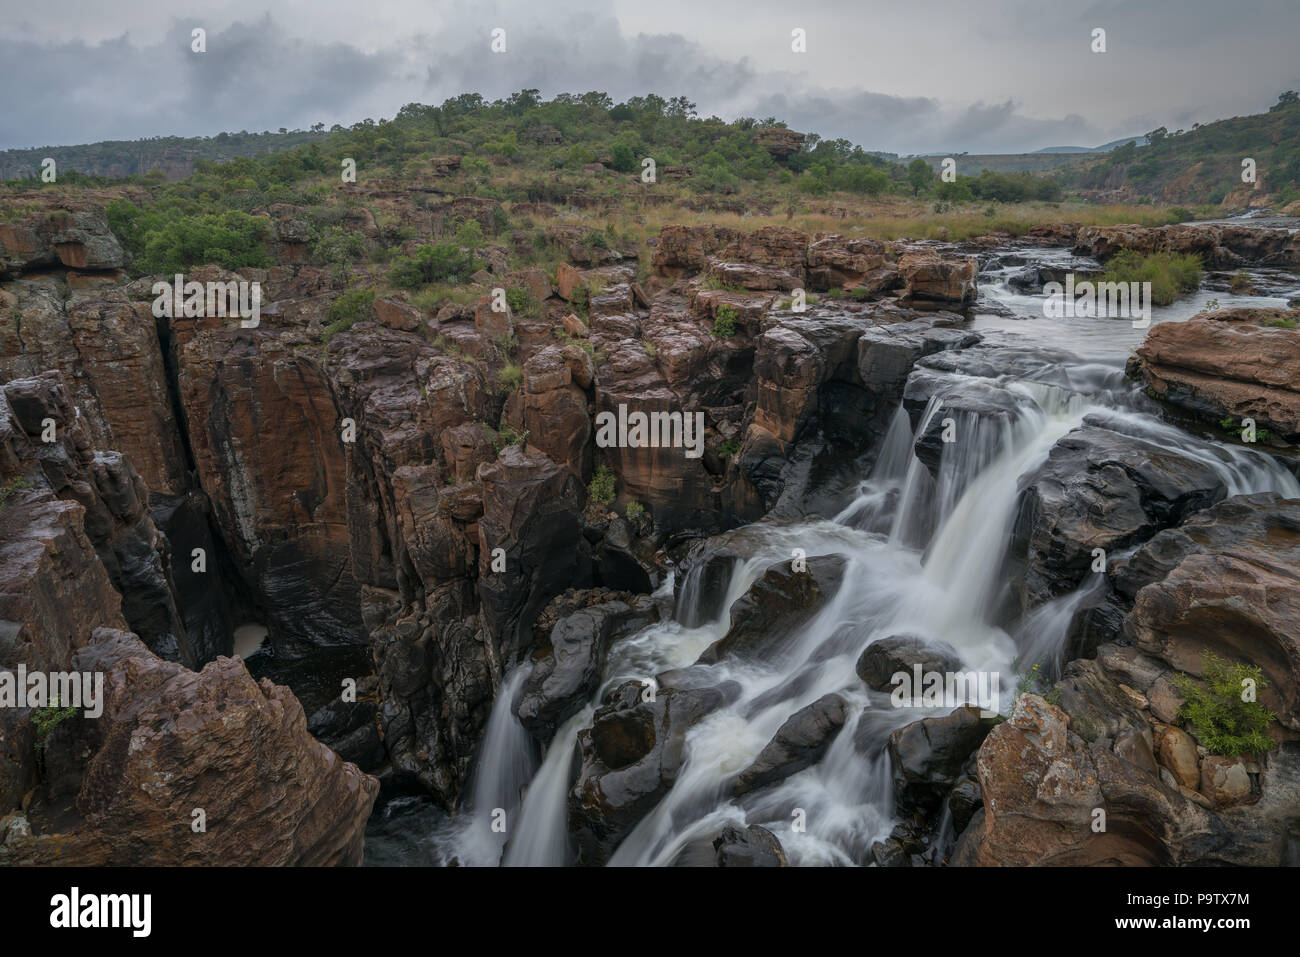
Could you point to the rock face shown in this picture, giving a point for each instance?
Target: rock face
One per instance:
(1046, 788)
(567, 675)
(934, 279)
(1100, 489)
(115, 520)
(779, 141)
(1226, 581)
(630, 758)
(76, 237)
(1219, 246)
(78, 560)
(1236, 364)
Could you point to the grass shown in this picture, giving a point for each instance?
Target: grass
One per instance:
(345, 311)
(510, 377)
(12, 485)
(1171, 275)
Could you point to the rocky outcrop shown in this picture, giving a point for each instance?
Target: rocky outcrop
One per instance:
(79, 559)
(1054, 797)
(1227, 581)
(931, 278)
(1100, 489)
(630, 758)
(1220, 246)
(74, 236)
(1234, 364)
(779, 141)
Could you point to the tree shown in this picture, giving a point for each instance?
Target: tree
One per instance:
(919, 175)
(1285, 100)
(624, 160)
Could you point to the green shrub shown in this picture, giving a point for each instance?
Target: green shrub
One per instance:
(724, 322)
(1241, 282)
(45, 720)
(729, 447)
(510, 376)
(523, 303)
(1215, 708)
(339, 246)
(634, 511)
(445, 262)
(1171, 274)
(346, 310)
(600, 491)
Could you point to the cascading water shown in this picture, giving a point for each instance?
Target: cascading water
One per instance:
(923, 558)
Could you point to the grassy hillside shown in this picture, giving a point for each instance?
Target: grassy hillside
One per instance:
(1203, 165)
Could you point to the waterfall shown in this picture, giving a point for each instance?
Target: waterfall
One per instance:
(506, 762)
(923, 557)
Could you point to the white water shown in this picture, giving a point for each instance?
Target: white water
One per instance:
(924, 556)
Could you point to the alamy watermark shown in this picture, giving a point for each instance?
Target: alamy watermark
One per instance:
(41, 689)
(1098, 300)
(655, 430)
(193, 300)
(946, 689)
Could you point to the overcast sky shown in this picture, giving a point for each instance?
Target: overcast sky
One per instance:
(919, 76)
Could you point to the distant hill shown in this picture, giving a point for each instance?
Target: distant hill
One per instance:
(1104, 148)
(1203, 165)
(174, 156)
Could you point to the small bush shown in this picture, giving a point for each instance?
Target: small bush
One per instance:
(1223, 722)
(729, 447)
(724, 323)
(45, 720)
(1171, 274)
(600, 491)
(634, 511)
(510, 377)
(1241, 283)
(442, 263)
(523, 303)
(346, 310)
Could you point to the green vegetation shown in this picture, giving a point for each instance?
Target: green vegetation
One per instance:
(600, 490)
(346, 310)
(523, 303)
(634, 511)
(724, 321)
(1222, 710)
(1171, 274)
(1204, 164)
(45, 720)
(510, 377)
(12, 485)
(445, 262)
(164, 240)
(729, 447)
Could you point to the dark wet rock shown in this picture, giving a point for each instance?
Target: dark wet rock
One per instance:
(970, 412)
(1099, 489)
(799, 743)
(630, 758)
(964, 800)
(752, 847)
(884, 658)
(564, 678)
(764, 618)
(927, 756)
